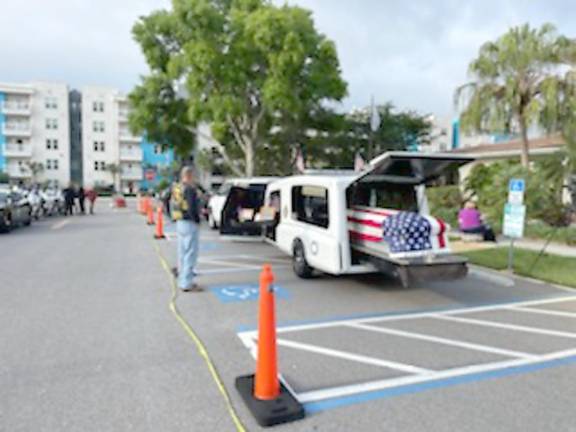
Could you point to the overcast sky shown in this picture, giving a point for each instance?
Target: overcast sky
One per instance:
(413, 53)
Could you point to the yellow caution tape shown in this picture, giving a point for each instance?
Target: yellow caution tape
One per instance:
(199, 344)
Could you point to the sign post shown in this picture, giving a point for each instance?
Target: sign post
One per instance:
(514, 216)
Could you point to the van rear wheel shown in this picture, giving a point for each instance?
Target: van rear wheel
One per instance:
(299, 263)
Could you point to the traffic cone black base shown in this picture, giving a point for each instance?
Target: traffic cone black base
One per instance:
(157, 237)
(284, 409)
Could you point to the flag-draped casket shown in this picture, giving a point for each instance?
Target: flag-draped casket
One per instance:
(400, 234)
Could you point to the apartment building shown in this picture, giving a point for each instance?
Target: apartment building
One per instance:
(34, 132)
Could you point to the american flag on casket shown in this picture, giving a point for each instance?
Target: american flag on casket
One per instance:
(398, 233)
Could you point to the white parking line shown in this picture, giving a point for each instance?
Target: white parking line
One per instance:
(420, 375)
(354, 357)
(544, 311)
(444, 341)
(347, 390)
(414, 315)
(507, 326)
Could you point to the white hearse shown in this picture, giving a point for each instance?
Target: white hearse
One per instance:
(376, 220)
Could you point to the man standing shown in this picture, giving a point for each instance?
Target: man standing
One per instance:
(81, 198)
(185, 211)
(69, 195)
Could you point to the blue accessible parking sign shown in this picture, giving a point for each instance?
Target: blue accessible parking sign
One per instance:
(244, 292)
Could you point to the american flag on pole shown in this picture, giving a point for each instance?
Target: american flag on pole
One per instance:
(300, 163)
(359, 162)
(375, 119)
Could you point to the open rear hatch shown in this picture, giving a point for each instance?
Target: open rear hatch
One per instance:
(390, 182)
(410, 168)
(240, 213)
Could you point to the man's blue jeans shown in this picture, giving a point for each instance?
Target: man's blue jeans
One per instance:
(188, 238)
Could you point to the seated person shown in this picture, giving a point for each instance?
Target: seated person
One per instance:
(470, 221)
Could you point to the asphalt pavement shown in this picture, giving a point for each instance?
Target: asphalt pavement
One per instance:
(88, 341)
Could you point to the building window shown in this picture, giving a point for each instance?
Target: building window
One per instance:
(51, 103)
(99, 146)
(51, 144)
(51, 164)
(99, 166)
(157, 149)
(310, 205)
(98, 106)
(51, 123)
(98, 126)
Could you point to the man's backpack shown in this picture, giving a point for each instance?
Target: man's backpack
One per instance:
(178, 203)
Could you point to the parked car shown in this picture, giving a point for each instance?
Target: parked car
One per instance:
(14, 210)
(247, 193)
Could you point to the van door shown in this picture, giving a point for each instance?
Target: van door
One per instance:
(314, 216)
(240, 215)
(410, 168)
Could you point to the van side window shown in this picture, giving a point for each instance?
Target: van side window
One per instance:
(310, 205)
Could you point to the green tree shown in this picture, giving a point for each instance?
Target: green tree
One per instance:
(247, 67)
(510, 77)
(159, 112)
(342, 136)
(4, 178)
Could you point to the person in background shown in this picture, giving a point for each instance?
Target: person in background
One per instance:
(471, 222)
(69, 195)
(186, 213)
(166, 196)
(81, 199)
(91, 195)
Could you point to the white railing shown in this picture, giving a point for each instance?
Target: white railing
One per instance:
(17, 150)
(132, 174)
(16, 129)
(19, 107)
(17, 171)
(133, 155)
(126, 135)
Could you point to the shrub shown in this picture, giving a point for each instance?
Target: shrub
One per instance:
(445, 201)
(543, 198)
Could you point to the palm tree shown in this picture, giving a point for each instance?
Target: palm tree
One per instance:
(510, 77)
(115, 170)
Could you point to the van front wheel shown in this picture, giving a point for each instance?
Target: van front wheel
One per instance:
(299, 263)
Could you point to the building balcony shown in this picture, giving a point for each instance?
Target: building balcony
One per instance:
(18, 172)
(132, 174)
(127, 136)
(18, 151)
(16, 130)
(16, 108)
(123, 115)
(131, 155)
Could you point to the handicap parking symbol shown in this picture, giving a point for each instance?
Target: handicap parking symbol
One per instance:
(244, 292)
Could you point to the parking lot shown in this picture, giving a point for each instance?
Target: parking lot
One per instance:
(358, 344)
(490, 352)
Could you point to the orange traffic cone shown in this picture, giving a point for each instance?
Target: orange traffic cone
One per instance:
(267, 398)
(159, 224)
(266, 385)
(150, 215)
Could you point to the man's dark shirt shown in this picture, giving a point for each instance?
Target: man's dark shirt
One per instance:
(191, 198)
